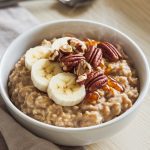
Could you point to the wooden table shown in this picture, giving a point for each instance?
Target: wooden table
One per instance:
(129, 16)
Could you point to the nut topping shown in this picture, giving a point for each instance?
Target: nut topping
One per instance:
(82, 69)
(95, 80)
(109, 51)
(70, 61)
(81, 79)
(66, 49)
(77, 45)
(94, 56)
(53, 56)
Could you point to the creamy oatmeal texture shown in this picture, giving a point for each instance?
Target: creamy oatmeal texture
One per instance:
(112, 90)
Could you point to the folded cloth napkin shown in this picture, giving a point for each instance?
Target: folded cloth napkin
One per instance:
(13, 136)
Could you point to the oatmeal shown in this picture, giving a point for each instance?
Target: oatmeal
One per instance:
(68, 82)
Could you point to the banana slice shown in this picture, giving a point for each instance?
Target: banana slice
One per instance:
(42, 71)
(64, 90)
(36, 53)
(63, 41)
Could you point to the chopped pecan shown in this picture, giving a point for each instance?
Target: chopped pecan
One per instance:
(66, 49)
(95, 80)
(68, 62)
(94, 56)
(82, 69)
(81, 79)
(77, 45)
(109, 51)
(54, 55)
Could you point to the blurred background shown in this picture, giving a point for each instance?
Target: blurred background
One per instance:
(129, 16)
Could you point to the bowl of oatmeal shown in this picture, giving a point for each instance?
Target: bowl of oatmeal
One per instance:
(73, 79)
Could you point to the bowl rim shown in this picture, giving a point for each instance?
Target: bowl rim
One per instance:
(44, 125)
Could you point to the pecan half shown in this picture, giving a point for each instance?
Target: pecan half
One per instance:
(95, 80)
(70, 61)
(94, 56)
(109, 51)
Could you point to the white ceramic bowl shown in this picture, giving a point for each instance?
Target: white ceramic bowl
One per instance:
(73, 136)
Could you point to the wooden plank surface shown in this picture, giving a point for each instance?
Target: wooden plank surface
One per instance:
(131, 17)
